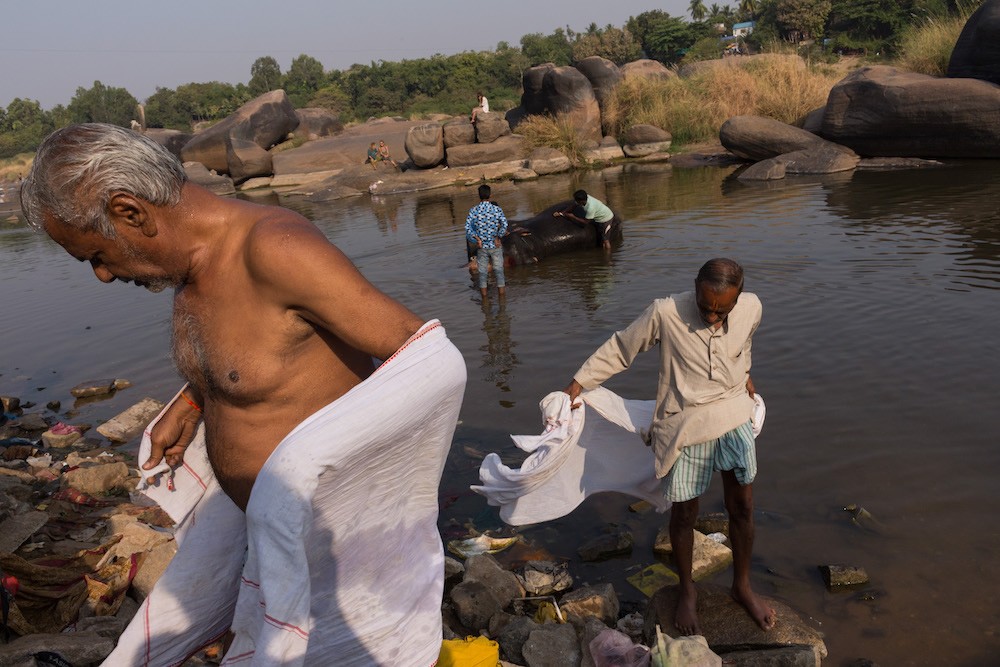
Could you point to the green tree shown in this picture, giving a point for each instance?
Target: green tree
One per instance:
(23, 125)
(802, 19)
(265, 76)
(303, 79)
(555, 48)
(615, 44)
(879, 19)
(103, 104)
(697, 10)
(667, 38)
(748, 7)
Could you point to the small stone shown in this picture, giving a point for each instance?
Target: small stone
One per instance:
(93, 388)
(98, 479)
(541, 577)
(60, 441)
(503, 584)
(474, 604)
(591, 629)
(131, 423)
(607, 546)
(843, 577)
(598, 601)
(552, 646)
(122, 384)
(716, 522)
(641, 507)
(30, 422)
(452, 568)
(11, 404)
(513, 636)
(18, 452)
(53, 405)
(708, 556)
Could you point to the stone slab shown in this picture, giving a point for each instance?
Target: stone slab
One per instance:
(19, 528)
(130, 423)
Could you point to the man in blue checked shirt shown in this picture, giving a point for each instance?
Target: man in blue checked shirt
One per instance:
(485, 226)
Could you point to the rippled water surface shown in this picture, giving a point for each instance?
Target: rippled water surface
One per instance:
(877, 354)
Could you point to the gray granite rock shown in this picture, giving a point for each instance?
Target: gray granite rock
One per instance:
(513, 635)
(553, 645)
(548, 161)
(425, 145)
(843, 577)
(708, 555)
(80, 649)
(474, 604)
(598, 601)
(98, 479)
(503, 584)
(130, 423)
(16, 530)
(608, 545)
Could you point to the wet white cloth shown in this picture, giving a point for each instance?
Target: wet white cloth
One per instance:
(344, 563)
(596, 447)
(581, 452)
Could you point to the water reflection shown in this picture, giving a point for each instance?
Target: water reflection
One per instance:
(386, 211)
(498, 357)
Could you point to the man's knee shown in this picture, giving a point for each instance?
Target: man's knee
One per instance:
(684, 514)
(739, 501)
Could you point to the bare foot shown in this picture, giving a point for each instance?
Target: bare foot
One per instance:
(686, 617)
(759, 610)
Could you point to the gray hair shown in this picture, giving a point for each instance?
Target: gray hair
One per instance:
(720, 274)
(78, 168)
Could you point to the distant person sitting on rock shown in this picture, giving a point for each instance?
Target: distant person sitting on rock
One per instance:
(485, 226)
(373, 156)
(590, 209)
(484, 106)
(383, 153)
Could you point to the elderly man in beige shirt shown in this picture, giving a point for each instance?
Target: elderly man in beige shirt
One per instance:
(701, 424)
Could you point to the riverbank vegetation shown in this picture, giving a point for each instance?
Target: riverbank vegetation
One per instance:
(693, 109)
(914, 34)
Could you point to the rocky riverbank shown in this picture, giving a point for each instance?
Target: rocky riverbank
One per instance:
(79, 551)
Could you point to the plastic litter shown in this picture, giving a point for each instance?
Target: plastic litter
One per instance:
(614, 649)
(469, 652)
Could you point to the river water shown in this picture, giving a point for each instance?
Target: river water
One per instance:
(877, 355)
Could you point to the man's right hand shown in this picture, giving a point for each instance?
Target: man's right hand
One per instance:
(574, 390)
(172, 435)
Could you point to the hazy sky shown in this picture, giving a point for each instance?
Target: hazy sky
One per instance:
(51, 47)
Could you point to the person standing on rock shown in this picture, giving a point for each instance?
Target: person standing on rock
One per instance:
(485, 226)
(299, 457)
(701, 424)
(590, 210)
(482, 107)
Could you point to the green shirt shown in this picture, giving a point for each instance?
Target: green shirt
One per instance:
(595, 210)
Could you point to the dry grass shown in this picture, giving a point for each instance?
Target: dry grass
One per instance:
(540, 131)
(694, 109)
(12, 167)
(926, 47)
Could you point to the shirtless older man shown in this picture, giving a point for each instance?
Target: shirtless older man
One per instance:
(272, 326)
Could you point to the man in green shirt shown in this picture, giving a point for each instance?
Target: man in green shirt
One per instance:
(590, 209)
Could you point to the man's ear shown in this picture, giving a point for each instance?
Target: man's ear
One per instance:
(131, 211)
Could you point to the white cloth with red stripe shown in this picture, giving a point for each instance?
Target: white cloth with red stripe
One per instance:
(344, 562)
(599, 446)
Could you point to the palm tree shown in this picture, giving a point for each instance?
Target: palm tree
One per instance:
(748, 7)
(697, 10)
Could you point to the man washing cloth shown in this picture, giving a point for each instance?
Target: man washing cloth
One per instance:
(701, 422)
(289, 445)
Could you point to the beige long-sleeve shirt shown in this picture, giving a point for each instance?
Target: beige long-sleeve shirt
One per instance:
(703, 371)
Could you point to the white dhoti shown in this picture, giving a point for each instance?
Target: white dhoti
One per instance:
(344, 562)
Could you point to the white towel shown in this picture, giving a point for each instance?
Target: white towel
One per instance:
(580, 452)
(344, 560)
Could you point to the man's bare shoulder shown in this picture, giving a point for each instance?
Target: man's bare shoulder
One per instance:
(281, 239)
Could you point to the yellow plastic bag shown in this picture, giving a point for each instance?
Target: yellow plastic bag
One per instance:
(469, 652)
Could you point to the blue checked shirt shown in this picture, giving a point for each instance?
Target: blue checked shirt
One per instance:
(486, 222)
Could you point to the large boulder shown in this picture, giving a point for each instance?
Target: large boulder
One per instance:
(881, 111)
(505, 148)
(532, 100)
(315, 123)
(702, 66)
(547, 160)
(458, 132)
(489, 127)
(173, 140)
(425, 145)
(977, 52)
(757, 138)
(646, 69)
(198, 174)
(568, 94)
(265, 121)
(643, 140)
(603, 75)
(247, 160)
